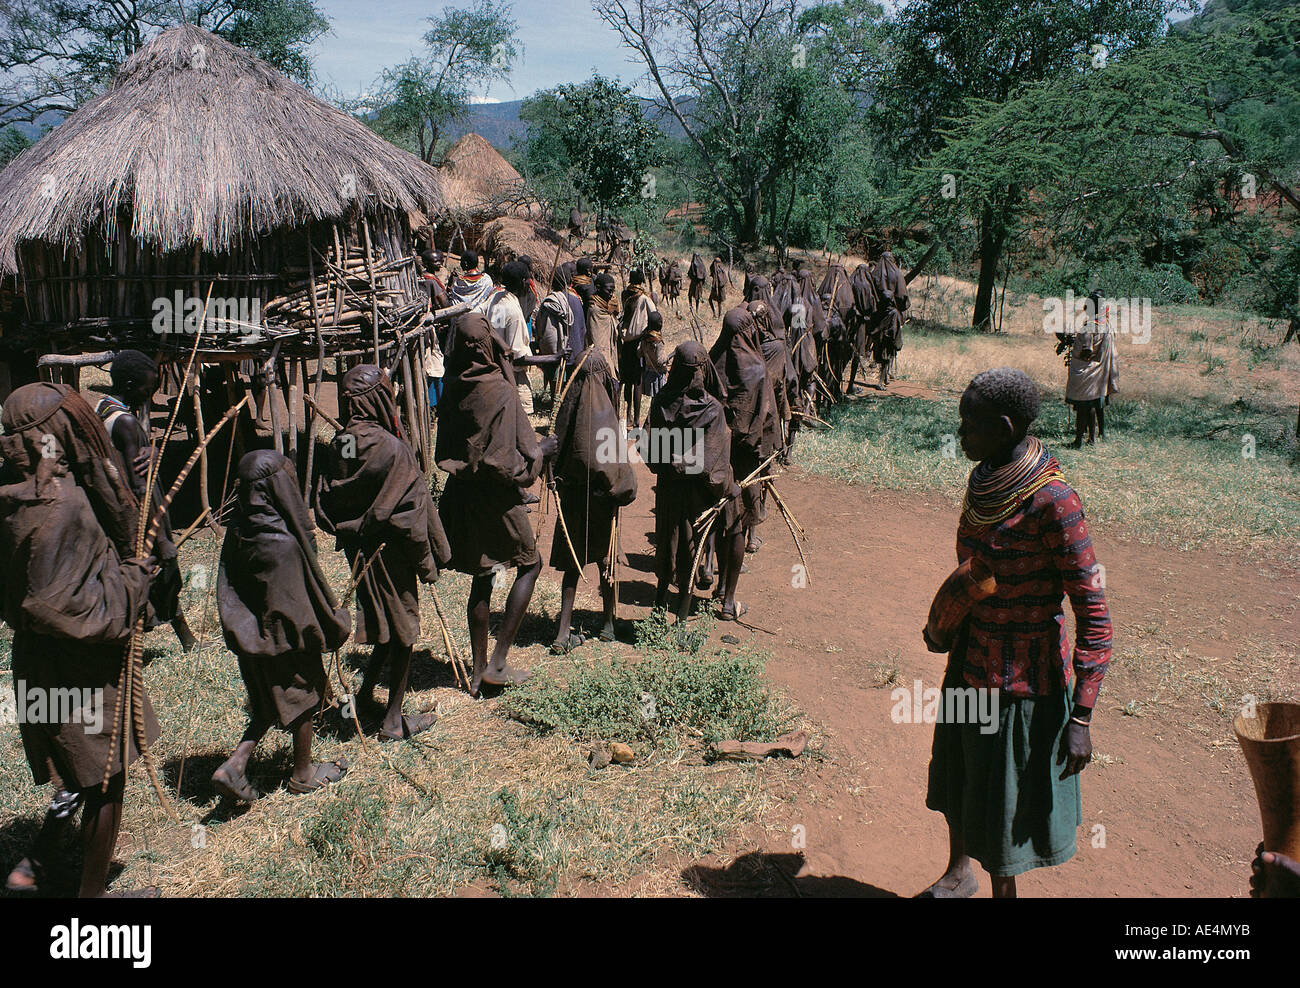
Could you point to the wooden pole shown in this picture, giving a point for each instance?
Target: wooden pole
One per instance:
(374, 288)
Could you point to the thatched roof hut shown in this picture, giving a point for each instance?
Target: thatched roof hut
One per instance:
(511, 237)
(480, 185)
(202, 165)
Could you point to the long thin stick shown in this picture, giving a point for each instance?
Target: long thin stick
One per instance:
(790, 524)
(453, 653)
(330, 420)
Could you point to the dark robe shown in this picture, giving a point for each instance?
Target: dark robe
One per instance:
(690, 405)
(277, 611)
(591, 484)
(718, 281)
(776, 352)
(696, 273)
(64, 589)
(750, 401)
(490, 453)
(373, 493)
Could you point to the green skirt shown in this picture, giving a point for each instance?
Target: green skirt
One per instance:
(1001, 791)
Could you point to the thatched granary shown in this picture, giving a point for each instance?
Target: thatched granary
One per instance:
(203, 172)
(513, 237)
(203, 166)
(478, 186)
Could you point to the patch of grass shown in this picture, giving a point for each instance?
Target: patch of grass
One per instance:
(661, 697)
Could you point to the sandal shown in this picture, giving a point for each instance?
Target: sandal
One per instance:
(237, 788)
(411, 726)
(322, 774)
(607, 635)
(740, 611)
(567, 645)
(753, 546)
(29, 869)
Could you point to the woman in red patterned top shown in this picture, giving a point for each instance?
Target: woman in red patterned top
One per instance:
(1009, 787)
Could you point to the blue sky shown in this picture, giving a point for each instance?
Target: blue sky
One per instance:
(563, 41)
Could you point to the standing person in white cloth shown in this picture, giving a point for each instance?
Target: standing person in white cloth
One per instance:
(1093, 372)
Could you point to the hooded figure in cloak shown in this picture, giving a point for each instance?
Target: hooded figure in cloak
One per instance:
(836, 296)
(278, 616)
(751, 413)
(373, 494)
(866, 303)
(891, 287)
(719, 279)
(71, 593)
(697, 273)
(759, 289)
(689, 412)
(592, 481)
(785, 382)
(491, 455)
(670, 282)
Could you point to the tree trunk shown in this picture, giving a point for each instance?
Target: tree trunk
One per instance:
(992, 236)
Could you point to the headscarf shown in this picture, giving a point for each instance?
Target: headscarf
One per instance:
(272, 596)
(759, 288)
(890, 277)
(697, 271)
(751, 402)
(586, 423)
(50, 430)
(367, 396)
(692, 399)
(483, 429)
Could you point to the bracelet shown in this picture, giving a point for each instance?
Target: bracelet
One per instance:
(1080, 722)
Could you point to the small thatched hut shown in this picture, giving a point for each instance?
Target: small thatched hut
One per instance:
(512, 237)
(479, 185)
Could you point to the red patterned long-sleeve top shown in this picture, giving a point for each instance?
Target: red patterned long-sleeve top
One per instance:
(1040, 555)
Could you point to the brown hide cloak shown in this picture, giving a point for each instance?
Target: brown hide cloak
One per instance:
(65, 591)
(690, 405)
(590, 483)
(272, 596)
(749, 397)
(751, 403)
(776, 352)
(490, 452)
(373, 493)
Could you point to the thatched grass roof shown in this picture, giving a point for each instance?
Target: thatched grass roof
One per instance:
(479, 184)
(200, 142)
(530, 238)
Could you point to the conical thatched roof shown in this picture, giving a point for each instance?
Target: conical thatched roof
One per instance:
(479, 184)
(200, 142)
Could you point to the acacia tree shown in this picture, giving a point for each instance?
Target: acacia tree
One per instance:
(415, 101)
(55, 55)
(946, 55)
(711, 63)
(593, 138)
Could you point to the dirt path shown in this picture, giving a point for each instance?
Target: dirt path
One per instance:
(1179, 816)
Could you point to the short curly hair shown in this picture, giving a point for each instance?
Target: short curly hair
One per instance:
(131, 369)
(1011, 392)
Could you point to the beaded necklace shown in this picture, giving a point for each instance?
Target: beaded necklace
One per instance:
(994, 494)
